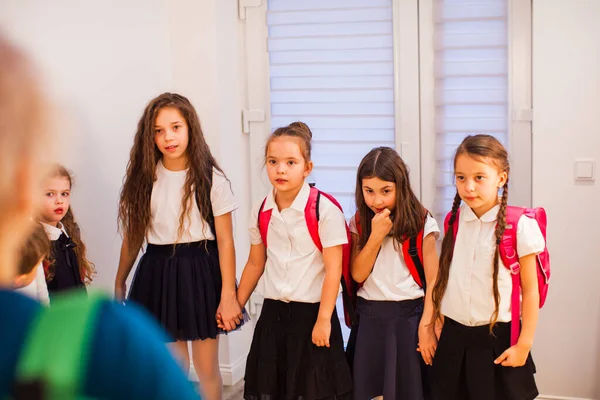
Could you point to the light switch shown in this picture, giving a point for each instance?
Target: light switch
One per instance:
(584, 170)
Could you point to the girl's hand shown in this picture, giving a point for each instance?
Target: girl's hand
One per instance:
(381, 225)
(229, 313)
(321, 332)
(427, 342)
(514, 356)
(120, 291)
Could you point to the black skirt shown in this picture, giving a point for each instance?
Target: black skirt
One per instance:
(284, 364)
(386, 361)
(181, 286)
(464, 368)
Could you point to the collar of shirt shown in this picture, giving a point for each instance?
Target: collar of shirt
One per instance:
(54, 232)
(490, 216)
(299, 203)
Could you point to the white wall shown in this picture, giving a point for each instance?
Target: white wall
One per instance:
(103, 66)
(104, 61)
(566, 126)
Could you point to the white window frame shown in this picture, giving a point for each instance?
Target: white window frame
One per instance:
(519, 104)
(256, 116)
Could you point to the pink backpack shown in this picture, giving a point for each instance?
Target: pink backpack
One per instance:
(311, 214)
(510, 259)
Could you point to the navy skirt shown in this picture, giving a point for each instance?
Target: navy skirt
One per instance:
(386, 361)
(464, 368)
(181, 286)
(284, 364)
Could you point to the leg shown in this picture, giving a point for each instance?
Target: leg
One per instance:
(179, 350)
(205, 354)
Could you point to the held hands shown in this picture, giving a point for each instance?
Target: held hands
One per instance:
(381, 225)
(514, 356)
(321, 332)
(229, 313)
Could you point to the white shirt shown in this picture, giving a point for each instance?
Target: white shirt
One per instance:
(165, 204)
(54, 232)
(390, 279)
(469, 297)
(37, 289)
(294, 269)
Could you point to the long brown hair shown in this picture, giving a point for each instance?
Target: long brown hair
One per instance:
(385, 163)
(134, 202)
(484, 148)
(86, 267)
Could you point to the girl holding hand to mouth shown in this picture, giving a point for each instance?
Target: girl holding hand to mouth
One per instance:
(395, 337)
(67, 267)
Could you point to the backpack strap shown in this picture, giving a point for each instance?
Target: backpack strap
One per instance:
(311, 214)
(510, 259)
(54, 360)
(264, 217)
(412, 250)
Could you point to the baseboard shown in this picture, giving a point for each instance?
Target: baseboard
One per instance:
(231, 373)
(548, 397)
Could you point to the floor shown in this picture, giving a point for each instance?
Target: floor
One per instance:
(235, 392)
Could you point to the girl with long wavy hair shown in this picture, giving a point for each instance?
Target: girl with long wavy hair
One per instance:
(177, 199)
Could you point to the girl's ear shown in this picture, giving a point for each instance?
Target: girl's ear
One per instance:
(308, 168)
(503, 179)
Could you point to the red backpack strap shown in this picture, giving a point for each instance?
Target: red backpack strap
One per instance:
(264, 217)
(311, 214)
(454, 225)
(510, 259)
(412, 250)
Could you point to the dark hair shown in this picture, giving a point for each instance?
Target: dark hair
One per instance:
(86, 267)
(297, 130)
(35, 248)
(134, 202)
(487, 149)
(409, 215)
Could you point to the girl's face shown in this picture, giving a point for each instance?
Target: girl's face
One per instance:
(379, 194)
(478, 182)
(56, 201)
(171, 135)
(286, 166)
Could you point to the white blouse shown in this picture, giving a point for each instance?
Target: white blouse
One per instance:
(294, 269)
(469, 297)
(167, 194)
(390, 279)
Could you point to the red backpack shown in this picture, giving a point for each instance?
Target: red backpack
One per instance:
(510, 259)
(311, 214)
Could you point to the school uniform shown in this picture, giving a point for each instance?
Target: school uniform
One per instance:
(464, 361)
(283, 363)
(178, 279)
(65, 266)
(389, 309)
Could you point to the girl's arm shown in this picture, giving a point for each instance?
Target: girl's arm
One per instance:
(516, 355)
(364, 260)
(427, 338)
(126, 260)
(332, 260)
(255, 266)
(229, 310)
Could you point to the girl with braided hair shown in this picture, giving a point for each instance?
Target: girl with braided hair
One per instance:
(474, 359)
